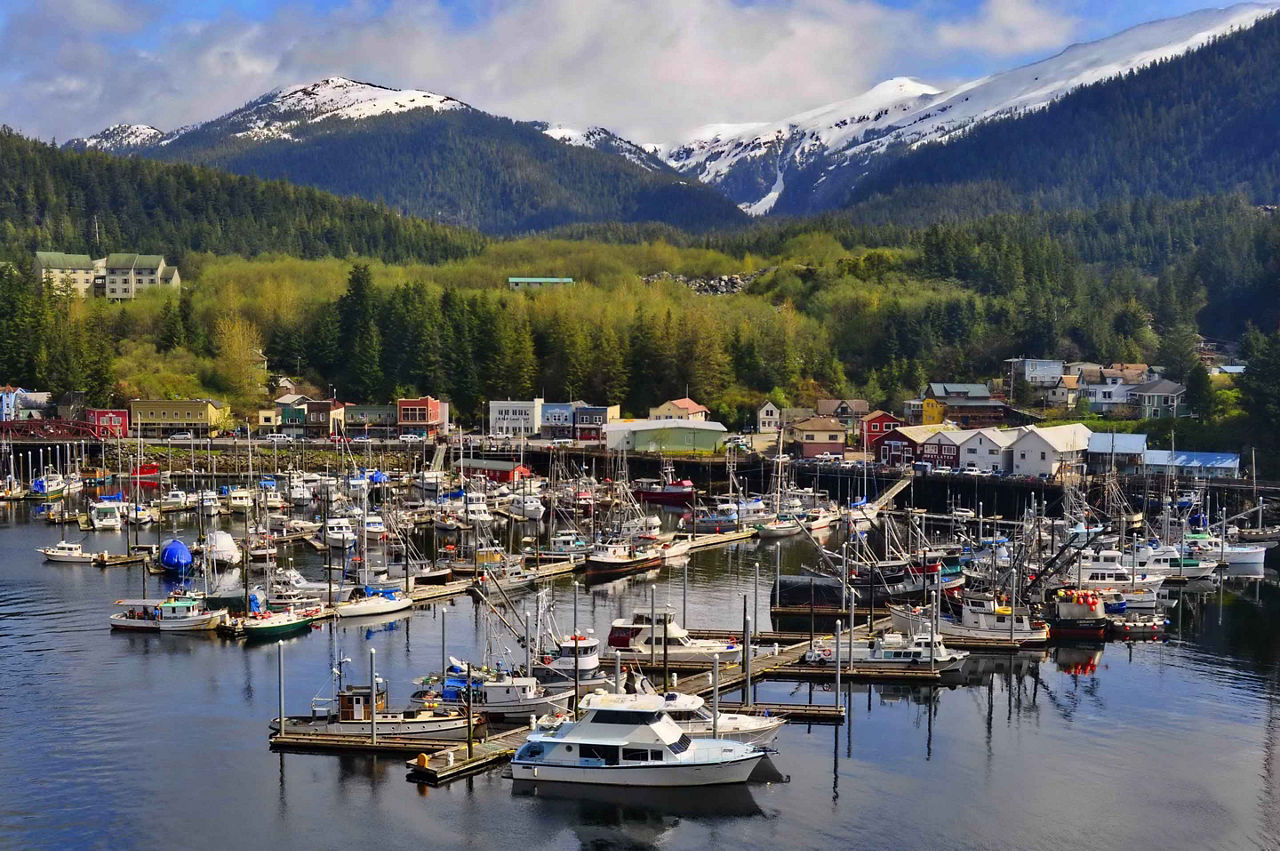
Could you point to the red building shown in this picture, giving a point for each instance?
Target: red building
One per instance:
(108, 422)
(908, 444)
(875, 426)
(425, 415)
(505, 472)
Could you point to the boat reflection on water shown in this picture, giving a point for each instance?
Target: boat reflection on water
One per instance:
(1078, 658)
(646, 808)
(618, 587)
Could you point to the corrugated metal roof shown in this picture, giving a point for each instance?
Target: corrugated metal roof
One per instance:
(1193, 460)
(58, 260)
(1120, 444)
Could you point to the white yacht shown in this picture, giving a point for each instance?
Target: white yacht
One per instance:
(139, 515)
(527, 505)
(476, 510)
(1243, 561)
(239, 500)
(629, 740)
(1108, 572)
(781, 527)
(370, 601)
(222, 548)
(644, 638)
(693, 716)
(820, 518)
(1168, 562)
(66, 552)
(299, 493)
(106, 516)
(338, 533)
(175, 500)
(373, 525)
(889, 651)
(209, 504)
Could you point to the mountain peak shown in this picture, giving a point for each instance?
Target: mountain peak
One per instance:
(118, 138)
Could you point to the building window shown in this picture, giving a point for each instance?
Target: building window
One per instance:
(1042, 456)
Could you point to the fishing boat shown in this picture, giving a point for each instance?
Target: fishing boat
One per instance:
(1078, 614)
(374, 526)
(658, 636)
(1243, 561)
(693, 716)
(366, 600)
(209, 504)
(299, 493)
(476, 509)
(1112, 574)
(559, 668)
(890, 651)
(49, 486)
(146, 473)
(106, 516)
(500, 698)
(355, 710)
(980, 617)
(622, 555)
(630, 740)
(338, 533)
(861, 515)
(177, 613)
(665, 491)
(66, 552)
(1168, 562)
(565, 545)
(262, 623)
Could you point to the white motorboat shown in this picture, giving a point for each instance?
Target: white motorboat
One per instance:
(782, 527)
(299, 493)
(209, 504)
(66, 552)
(1243, 561)
(694, 717)
(819, 518)
(527, 505)
(222, 548)
(366, 601)
(1109, 573)
(49, 486)
(642, 637)
(565, 544)
(239, 501)
(889, 651)
(351, 717)
(623, 555)
(630, 740)
(305, 527)
(177, 613)
(338, 533)
(175, 500)
(501, 698)
(861, 515)
(139, 515)
(475, 509)
(106, 516)
(1168, 562)
(373, 525)
(980, 617)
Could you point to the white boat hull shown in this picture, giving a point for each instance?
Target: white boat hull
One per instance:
(203, 623)
(373, 606)
(669, 775)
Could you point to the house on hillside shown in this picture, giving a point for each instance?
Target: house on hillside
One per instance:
(815, 436)
(68, 274)
(875, 426)
(768, 418)
(1159, 398)
(680, 409)
(1064, 393)
(848, 411)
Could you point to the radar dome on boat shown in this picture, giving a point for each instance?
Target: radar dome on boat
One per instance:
(175, 554)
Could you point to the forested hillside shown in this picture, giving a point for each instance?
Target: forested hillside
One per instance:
(94, 203)
(463, 167)
(1201, 124)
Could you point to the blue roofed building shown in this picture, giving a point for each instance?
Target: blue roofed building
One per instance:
(1204, 465)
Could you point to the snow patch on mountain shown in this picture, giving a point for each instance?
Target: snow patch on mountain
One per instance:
(119, 138)
(602, 139)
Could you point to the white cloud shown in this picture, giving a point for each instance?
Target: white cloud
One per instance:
(652, 70)
(1010, 28)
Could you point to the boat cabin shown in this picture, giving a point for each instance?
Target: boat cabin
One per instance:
(353, 702)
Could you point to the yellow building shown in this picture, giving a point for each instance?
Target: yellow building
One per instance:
(163, 417)
(680, 409)
(932, 412)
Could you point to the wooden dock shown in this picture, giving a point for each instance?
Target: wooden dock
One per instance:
(711, 540)
(343, 742)
(452, 763)
(813, 713)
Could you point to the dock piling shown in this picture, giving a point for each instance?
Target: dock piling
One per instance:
(280, 679)
(715, 695)
(838, 625)
(617, 672)
(373, 697)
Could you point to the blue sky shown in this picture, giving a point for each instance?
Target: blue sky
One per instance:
(653, 69)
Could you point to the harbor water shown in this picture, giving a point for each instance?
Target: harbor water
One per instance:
(160, 741)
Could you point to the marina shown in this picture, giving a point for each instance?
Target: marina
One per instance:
(898, 715)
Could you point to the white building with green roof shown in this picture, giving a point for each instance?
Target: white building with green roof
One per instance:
(70, 273)
(127, 275)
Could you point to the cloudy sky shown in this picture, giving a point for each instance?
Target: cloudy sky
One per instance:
(652, 69)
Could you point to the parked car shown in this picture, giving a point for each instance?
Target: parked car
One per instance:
(562, 441)
(824, 457)
(277, 437)
(411, 438)
(339, 438)
(362, 438)
(943, 470)
(182, 435)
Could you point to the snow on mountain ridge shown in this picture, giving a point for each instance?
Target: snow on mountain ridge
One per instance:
(906, 111)
(119, 137)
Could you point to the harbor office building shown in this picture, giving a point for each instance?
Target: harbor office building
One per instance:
(672, 436)
(515, 418)
(163, 417)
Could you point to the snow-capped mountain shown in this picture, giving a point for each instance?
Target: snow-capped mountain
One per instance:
(602, 139)
(281, 113)
(119, 138)
(809, 160)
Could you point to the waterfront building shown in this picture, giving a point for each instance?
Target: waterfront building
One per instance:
(875, 426)
(670, 436)
(512, 418)
(589, 420)
(557, 419)
(1124, 453)
(815, 436)
(680, 409)
(425, 415)
(163, 417)
(1057, 452)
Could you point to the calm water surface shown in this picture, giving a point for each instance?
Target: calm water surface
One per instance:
(146, 741)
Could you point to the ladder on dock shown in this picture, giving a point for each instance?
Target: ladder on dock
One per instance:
(887, 497)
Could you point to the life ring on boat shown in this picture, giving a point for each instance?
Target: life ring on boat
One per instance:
(546, 660)
(826, 651)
